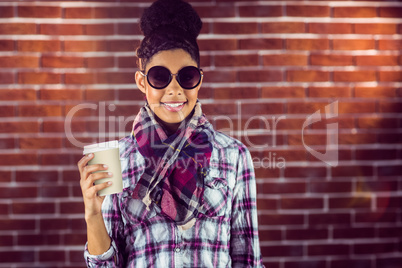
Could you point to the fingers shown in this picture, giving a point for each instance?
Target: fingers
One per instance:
(92, 191)
(84, 161)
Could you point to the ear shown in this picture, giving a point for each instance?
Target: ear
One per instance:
(202, 78)
(140, 81)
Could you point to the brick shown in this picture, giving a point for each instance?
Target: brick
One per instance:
(350, 263)
(40, 143)
(56, 159)
(80, 78)
(388, 261)
(321, 186)
(62, 62)
(283, 27)
(6, 12)
(131, 62)
(352, 171)
(33, 208)
(5, 176)
(375, 28)
(6, 240)
(100, 29)
(390, 76)
(270, 235)
(236, 60)
(235, 28)
(61, 94)
(19, 61)
(354, 12)
(375, 92)
(18, 28)
(75, 238)
(324, 219)
(38, 45)
(357, 107)
(53, 224)
(389, 202)
(353, 44)
(118, 12)
(305, 264)
(255, 109)
(285, 60)
(52, 256)
(390, 12)
(84, 46)
(39, 78)
(390, 106)
(39, 11)
(307, 44)
(17, 256)
(115, 77)
(307, 11)
(19, 94)
(260, 11)
(306, 234)
(389, 44)
(20, 191)
(389, 232)
(283, 188)
(128, 29)
(377, 154)
(305, 172)
(213, 11)
(61, 29)
(357, 138)
(267, 204)
(307, 76)
(123, 45)
(260, 76)
(282, 251)
(282, 92)
(220, 76)
(78, 12)
(331, 60)
(354, 202)
(261, 43)
(72, 208)
(217, 44)
(304, 107)
(281, 219)
(354, 76)
(377, 122)
(7, 78)
(330, 92)
(7, 111)
(19, 127)
(354, 233)
(390, 170)
(302, 203)
(6, 45)
(377, 60)
(38, 239)
(17, 159)
(39, 110)
(36, 176)
(330, 28)
(235, 93)
(374, 248)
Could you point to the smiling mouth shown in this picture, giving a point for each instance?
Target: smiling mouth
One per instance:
(174, 106)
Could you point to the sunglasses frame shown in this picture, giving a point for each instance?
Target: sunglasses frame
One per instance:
(171, 77)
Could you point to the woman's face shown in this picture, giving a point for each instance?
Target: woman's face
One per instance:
(181, 101)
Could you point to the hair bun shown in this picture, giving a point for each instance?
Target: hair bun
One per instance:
(175, 14)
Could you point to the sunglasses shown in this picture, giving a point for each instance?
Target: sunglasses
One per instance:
(160, 77)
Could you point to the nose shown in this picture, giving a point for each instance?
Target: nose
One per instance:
(174, 87)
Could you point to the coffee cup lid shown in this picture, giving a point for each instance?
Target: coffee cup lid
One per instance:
(97, 147)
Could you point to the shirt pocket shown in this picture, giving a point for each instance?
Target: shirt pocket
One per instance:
(214, 201)
(134, 210)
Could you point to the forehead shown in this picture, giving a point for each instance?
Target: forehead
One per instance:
(174, 60)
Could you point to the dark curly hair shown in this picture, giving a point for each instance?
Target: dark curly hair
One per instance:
(167, 25)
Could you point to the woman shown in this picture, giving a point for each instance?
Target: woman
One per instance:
(189, 197)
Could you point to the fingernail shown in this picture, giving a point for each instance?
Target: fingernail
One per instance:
(90, 155)
(109, 183)
(110, 174)
(105, 166)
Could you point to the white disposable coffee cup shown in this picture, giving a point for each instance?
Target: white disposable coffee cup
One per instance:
(107, 153)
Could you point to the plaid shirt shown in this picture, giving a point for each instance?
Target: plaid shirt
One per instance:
(225, 233)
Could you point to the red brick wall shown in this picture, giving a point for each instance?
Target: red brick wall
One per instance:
(268, 66)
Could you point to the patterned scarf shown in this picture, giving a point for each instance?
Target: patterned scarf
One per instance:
(175, 166)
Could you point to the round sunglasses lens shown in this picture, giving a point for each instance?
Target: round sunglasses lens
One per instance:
(189, 77)
(158, 77)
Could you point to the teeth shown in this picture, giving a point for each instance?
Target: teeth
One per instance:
(173, 104)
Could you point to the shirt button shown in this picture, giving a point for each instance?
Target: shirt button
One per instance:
(177, 250)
